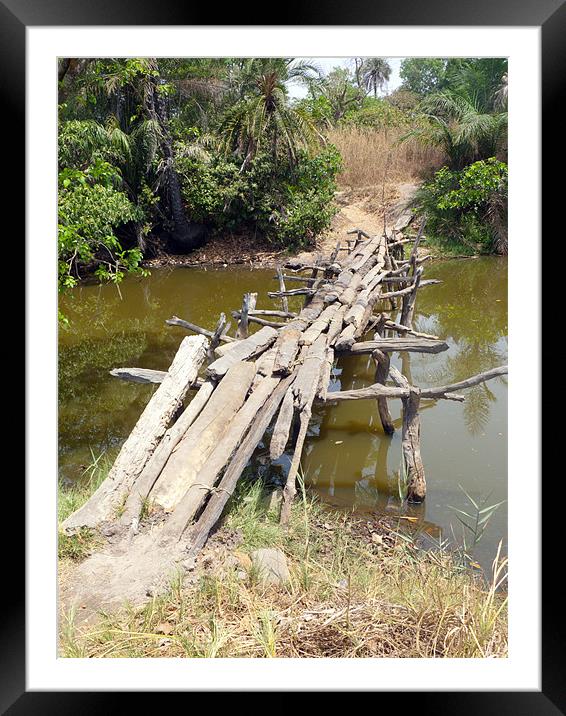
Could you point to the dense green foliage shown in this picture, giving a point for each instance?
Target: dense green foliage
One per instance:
(422, 75)
(289, 203)
(468, 208)
(466, 113)
(175, 149)
(156, 154)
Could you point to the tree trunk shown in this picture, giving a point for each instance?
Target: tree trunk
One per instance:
(184, 234)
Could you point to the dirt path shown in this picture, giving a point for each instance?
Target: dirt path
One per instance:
(365, 208)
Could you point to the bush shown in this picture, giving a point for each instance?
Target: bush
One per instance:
(289, 203)
(89, 213)
(467, 208)
(377, 114)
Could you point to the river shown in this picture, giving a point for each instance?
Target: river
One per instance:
(347, 461)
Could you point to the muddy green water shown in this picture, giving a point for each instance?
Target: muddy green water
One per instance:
(347, 461)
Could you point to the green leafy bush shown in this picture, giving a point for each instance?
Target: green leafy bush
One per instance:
(377, 114)
(289, 203)
(89, 213)
(467, 209)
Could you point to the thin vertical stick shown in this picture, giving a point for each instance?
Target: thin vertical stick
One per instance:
(248, 304)
(284, 300)
(409, 300)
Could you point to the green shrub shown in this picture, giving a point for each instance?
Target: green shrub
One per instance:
(467, 209)
(288, 203)
(377, 114)
(90, 209)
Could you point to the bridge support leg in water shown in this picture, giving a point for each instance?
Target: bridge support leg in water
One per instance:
(381, 374)
(411, 442)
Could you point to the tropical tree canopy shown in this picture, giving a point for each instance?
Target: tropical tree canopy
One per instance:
(468, 117)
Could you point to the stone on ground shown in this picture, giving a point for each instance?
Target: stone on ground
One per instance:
(271, 566)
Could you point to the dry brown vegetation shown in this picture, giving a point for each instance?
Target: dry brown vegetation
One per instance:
(369, 155)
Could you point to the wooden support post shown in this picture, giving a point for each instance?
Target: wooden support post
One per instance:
(316, 280)
(408, 309)
(411, 443)
(284, 299)
(248, 305)
(390, 265)
(414, 252)
(382, 362)
(218, 333)
(411, 439)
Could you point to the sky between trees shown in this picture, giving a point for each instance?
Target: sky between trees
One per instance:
(298, 91)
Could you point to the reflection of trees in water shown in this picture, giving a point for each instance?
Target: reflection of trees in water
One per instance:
(482, 316)
(476, 328)
(373, 466)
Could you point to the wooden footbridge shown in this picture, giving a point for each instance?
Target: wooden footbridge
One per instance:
(187, 461)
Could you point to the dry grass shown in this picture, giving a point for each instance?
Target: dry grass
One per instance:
(358, 589)
(369, 155)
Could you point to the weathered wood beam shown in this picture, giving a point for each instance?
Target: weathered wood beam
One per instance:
(146, 375)
(393, 326)
(198, 534)
(468, 383)
(158, 460)
(304, 390)
(325, 374)
(292, 292)
(282, 428)
(244, 349)
(259, 321)
(287, 347)
(403, 387)
(144, 438)
(414, 345)
(405, 291)
(277, 314)
(302, 279)
(200, 440)
(139, 375)
(204, 481)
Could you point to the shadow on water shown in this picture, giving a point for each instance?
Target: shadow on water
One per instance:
(348, 460)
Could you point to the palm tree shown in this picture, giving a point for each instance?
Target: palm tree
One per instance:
(468, 119)
(464, 129)
(262, 116)
(375, 72)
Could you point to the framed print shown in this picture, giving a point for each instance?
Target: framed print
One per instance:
(323, 495)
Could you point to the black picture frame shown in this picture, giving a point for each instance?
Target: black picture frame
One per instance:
(550, 15)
